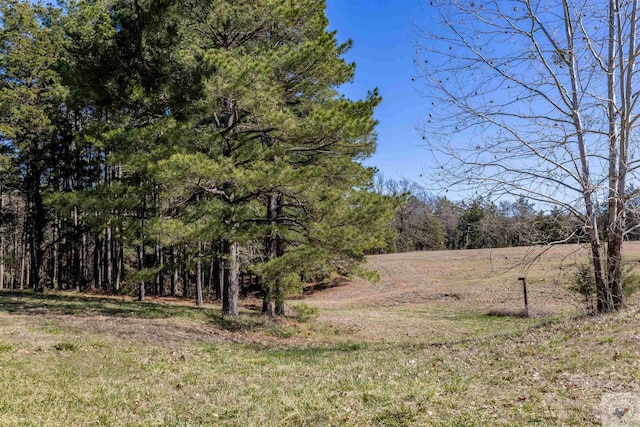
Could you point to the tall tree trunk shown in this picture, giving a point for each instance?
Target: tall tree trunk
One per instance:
(280, 291)
(232, 279)
(175, 273)
(213, 275)
(587, 186)
(119, 261)
(84, 262)
(97, 265)
(619, 142)
(274, 292)
(76, 251)
(108, 267)
(217, 265)
(55, 255)
(142, 284)
(16, 274)
(159, 279)
(185, 273)
(199, 299)
(2, 254)
(221, 278)
(24, 271)
(141, 251)
(270, 249)
(36, 223)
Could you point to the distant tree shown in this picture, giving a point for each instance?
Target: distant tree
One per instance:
(471, 234)
(555, 227)
(417, 228)
(449, 214)
(520, 218)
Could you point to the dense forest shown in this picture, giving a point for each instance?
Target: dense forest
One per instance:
(427, 222)
(177, 147)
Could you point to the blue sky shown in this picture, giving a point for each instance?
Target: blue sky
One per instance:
(383, 50)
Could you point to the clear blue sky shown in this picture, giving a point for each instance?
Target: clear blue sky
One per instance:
(383, 50)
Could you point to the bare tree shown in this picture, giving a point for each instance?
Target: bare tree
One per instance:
(536, 98)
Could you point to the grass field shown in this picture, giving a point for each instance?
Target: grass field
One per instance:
(430, 344)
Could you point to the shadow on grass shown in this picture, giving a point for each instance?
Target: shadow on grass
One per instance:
(335, 282)
(309, 353)
(61, 303)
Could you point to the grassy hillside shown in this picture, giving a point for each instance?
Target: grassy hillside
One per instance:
(420, 347)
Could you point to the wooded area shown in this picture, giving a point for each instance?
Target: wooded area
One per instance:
(427, 222)
(169, 147)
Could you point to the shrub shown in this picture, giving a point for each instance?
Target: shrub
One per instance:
(584, 284)
(66, 346)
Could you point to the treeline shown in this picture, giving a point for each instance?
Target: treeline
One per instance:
(174, 147)
(427, 222)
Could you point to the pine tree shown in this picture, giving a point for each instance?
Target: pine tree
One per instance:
(31, 101)
(269, 129)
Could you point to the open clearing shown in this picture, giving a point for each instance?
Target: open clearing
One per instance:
(417, 348)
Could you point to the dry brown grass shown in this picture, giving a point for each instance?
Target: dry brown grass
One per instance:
(422, 292)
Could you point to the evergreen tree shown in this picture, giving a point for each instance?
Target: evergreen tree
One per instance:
(31, 104)
(269, 130)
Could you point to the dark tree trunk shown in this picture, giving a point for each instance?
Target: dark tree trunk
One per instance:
(602, 291)
(120, 264)
(108, 268)
(232, 280)
(159, 279)
(225, 277)
(186, 283)
(2, 251)
(218, 269)
(213, 276)
(614, 268)
(97, 265)
(142, 285)
(280, 291)
(36, 222)
(174, 275)
(221, 279)
(199, 297)
(270, 250)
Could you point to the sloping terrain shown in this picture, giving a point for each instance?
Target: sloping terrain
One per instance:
(445, 293)
(427, 345)
(487, 277)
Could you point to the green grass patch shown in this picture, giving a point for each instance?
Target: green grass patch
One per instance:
(69, 359)
(6, 348)
(66, 346)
